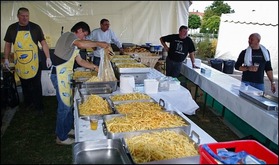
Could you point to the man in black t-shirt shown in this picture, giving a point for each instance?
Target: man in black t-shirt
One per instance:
(180, 45)
(253, 62)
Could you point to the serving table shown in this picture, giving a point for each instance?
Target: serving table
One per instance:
(225, 89)
(180, 101)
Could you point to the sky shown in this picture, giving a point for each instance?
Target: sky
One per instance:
(240, 6)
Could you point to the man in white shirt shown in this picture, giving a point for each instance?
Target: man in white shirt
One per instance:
(103, 34)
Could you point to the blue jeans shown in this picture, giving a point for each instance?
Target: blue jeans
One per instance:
(65, 118)
(259, 86)
(173, 68)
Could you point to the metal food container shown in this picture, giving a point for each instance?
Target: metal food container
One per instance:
(118, 135)
(87, 117)
(139, 73)
(104, 151)
(102, 87)
(177, 130)
(96, 89)
(112, 95)
(260, 99)
(115, 103)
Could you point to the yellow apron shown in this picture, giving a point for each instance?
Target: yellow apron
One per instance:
(64, 74)
(25, 55)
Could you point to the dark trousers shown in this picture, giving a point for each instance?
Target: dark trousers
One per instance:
(32, 91)
(96, 60)
(173, 68)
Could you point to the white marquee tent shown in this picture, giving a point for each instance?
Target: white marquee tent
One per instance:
(235, 29)
(135, 22)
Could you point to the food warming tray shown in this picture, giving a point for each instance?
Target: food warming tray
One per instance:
(260, 99)
(118, 135)
(113, 103)
(104, 151)
(97, 87)
(177, 130)
(87, 117)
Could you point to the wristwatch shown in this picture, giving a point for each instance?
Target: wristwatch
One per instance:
(273, 82)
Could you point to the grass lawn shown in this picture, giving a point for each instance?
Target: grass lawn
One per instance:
(31, 139)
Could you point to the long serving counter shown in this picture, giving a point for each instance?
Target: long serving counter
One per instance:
(178, 100)
(225, 89)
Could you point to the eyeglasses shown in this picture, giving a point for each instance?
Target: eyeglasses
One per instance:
(106, 24)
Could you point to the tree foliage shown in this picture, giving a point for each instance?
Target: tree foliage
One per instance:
(194, 21)
(212, 14)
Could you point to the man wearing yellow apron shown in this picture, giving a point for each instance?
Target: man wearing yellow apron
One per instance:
(66, 53)
(24, 36)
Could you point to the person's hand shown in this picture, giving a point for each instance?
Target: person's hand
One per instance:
(48, 62)
(96, 68)
(253, 68)
(6, 63)
(104, 45)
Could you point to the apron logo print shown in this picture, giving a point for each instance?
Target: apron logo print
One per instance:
(33, 67)
(62, 70)
(63, 83)
(66, 94)
(23, 56)
(19, 44)
(26, 35)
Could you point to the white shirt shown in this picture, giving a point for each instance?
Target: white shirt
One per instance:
(107, 36)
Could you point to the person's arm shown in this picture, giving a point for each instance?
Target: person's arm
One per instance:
(192, 57)
(239, 64)
(116, 41)
(270, 77)
(86, 64)
(164, 44)
(46, 51)
(7, 51)
(84, 44)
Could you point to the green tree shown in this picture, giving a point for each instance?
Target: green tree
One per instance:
(194, 21)
(211, 25)
(213, 13)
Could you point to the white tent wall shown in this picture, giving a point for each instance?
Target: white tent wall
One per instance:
(235, 29)
(135, 22)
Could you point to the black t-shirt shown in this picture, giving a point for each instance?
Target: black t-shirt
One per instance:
(35, 30)
(257, 57)
(179, 48)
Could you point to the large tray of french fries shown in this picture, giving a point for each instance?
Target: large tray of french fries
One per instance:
(129, 97)
(138, 106)
(161, 144)
(93, 106)
(115, 124)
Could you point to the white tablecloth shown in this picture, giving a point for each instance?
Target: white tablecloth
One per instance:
(225, 89)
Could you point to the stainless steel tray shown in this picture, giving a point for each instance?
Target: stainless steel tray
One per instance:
(177, 130)
(111, 84)
(87, 117)
(111, 135)
(96, 89)
(115, 103)
(133, 70)
(112, 95)
(259, 99)
(105, 151)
